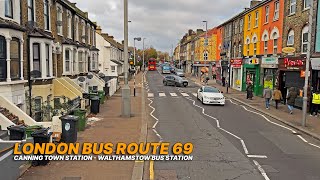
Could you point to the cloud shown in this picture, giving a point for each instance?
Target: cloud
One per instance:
(162, 22)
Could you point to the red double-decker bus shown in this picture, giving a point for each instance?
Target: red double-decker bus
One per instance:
(152, 64)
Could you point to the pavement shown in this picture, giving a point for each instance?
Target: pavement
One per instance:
(281, 114)
(230, 142)
(109, 127)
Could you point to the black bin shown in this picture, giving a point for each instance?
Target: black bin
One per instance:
(17, 132)
(95, 104)
(69, 128)
(40, 137)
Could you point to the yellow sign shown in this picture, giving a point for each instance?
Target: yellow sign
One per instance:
(289, 50)
(131, 62)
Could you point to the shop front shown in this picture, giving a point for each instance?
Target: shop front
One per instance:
(315, 74)
(251, 73)
(269, 66)
(292, 74)
(236, 75)
(224, 73)
(218, 72)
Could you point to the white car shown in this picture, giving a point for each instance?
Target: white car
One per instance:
(211, 95)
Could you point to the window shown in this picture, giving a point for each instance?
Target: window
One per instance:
(248, 49)
(267, 15)
(93, 33)
(205, 55)
(15, 58)
(113, 69)
(46, 15)
(236, 27)
(89, 42)
(74, 60)
(235, 51)
(93, 62)
(8, 9)
(80, 58)
(241, 25)
(292, 6)
(3, 59)
(59, 21)
(290, 37)
(69, 25)
(83, 32)
(31, 10)
(249, 21)
(76, 29)
(256, 19)
(307, 4)
(36, 57)
(254, 45)
(48, 59)
(67, 60)
(265, 46)
(240, 50)
(276, 11)
(275, 42)
(304, 38)
(230, 30)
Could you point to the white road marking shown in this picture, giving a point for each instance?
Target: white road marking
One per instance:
(157, 120)
(6, 155)
(263, 173)
(173, 94)
(257, 156)
(314, 145)
(162, 94)
(244, 147)
(150, 95)
(185, 94)
(194, 94)
(303, 139)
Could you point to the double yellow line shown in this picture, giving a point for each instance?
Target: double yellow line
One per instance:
(151, 170)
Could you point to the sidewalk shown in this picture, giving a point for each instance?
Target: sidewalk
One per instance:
(110, 128)
(280, 114)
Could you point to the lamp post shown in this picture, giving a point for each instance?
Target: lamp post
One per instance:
(126, 101)
(306, 78)
(143, 63)
(134, 63)
(206, 50)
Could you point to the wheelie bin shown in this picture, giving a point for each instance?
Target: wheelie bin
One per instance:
(101, 96)
(39, 137)
(17, 132)
(69, 128)
(82, 119)
(95, 104)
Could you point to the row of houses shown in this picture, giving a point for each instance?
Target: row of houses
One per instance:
(266, 44)
(51, 55)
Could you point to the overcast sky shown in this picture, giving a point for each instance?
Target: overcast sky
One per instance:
(162, 22)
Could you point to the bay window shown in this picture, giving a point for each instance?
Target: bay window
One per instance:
(36, 57)
(47, 51)
(3, 59)
(8, 9)
(74, 60)
(81, 63)
(15, 65)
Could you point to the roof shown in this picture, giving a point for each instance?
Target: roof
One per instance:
(210, 32)
(4, 23)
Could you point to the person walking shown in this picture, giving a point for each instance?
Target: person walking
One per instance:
(267, 94)
(249, 90)
(277, 96)
(291, 97)
(315, 103)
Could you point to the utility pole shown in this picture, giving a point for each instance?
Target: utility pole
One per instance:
(134, 63)
(143, 55)
(126, 101)
(206, 50)
(306, 78)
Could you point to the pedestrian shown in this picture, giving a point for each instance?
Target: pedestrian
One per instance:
(277, 96)
(291, 98)
(223, 81)
(249, 90)
(267, 94)
(315, 103)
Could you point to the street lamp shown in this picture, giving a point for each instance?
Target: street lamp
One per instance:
(134, 63)
(206, 50)
(126, 102)
(143, 54)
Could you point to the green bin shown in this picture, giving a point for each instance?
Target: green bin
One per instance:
(101, 96)
(81, 118)
(31, 129)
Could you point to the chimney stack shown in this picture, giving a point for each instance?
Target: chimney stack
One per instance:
(199, 31)
(254, 3)
(122, 42)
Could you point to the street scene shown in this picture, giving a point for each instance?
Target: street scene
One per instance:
(159, 90)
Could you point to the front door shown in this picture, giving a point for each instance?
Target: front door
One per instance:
(250, 77)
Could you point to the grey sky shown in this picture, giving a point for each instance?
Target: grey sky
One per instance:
(162, 22)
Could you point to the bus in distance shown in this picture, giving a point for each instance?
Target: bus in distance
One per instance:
(152, 63)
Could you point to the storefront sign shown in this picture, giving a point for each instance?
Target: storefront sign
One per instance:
(293, 63)
(315, 63)
(252, 61)
(236, 63)
(270, 60)
(289, 50)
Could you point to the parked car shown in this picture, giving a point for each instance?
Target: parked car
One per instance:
(211, 95)
(179, 72)
(173, 80)
(166, 70)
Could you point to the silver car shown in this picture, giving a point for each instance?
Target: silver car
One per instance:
(175, 81)
(179, 72)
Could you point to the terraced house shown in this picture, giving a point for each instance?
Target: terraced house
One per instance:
(61, 57)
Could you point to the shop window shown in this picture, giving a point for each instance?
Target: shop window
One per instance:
(67, 60)
(290, 38)
(15, 64)
(8, 9)
(3, 59)
(304, 38)
(36, 57)
(293, 4)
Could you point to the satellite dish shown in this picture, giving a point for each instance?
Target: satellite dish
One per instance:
(81, 79)
(89, 76)
(101, 75)
(35, 74)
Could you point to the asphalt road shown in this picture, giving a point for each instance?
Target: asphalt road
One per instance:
(243, 145)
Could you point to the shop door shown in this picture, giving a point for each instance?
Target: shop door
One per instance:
(282, 85)
(250, 77)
